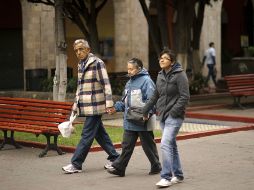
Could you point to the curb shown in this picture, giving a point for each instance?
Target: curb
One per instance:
(219, 117)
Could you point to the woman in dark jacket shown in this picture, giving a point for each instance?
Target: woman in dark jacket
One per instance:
(138, 90)
(170, 97)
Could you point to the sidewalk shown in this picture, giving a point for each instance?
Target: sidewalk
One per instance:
(224, 161)
(221, 162)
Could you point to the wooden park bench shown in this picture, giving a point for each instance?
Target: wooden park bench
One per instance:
(240, 86)
(40, 117)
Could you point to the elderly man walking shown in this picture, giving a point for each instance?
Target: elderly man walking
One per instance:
(93, 98)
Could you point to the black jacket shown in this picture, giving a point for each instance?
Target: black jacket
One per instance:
(171, 95)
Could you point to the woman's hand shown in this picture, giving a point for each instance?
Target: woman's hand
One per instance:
(111, 110)
(145, 118)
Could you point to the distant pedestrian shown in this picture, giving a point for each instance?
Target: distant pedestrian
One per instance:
(138, 90)
(210, 60)
(93, 98)
(171, 97)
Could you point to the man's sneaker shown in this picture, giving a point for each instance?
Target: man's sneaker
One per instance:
(70, 169)
(163, 183)
(108, 165)
(175, 180)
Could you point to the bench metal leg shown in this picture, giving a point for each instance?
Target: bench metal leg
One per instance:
(237, 102)
(9, 140)
(51, 146)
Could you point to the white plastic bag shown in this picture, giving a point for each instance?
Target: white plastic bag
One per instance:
(151, 124)
(66, 127)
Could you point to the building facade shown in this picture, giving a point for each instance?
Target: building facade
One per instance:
(27, 33)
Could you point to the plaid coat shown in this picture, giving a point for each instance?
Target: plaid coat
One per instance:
(94, 92)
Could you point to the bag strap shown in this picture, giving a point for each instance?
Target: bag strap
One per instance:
(123, 98)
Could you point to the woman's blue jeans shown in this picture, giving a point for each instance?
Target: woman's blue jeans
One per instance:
(93, 129)
(171, 165)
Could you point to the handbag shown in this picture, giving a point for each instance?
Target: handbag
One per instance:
(66, 127)
(135, 115)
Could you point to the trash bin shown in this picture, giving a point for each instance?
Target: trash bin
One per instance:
(34, 78)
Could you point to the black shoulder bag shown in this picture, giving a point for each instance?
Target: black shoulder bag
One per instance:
(134, 114)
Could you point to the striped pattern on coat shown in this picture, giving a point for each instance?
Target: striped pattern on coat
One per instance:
(94, 92)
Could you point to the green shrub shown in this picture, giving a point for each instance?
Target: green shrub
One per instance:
(47, 84)
(251, 50)
(197, 83)
(72, 84)
(117, 86)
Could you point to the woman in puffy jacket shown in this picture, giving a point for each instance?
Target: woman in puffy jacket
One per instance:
(171, 97)
(138, 90)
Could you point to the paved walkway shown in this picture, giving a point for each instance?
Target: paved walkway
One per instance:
(224, 161)
(210, 163)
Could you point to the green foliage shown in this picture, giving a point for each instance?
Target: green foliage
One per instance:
(47, 84)
(251, 51)
(117, 86)
(72, 84)
(197, 83)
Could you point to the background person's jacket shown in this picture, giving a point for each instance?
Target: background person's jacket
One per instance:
(171, 94)
(94, 92)
(139, 89)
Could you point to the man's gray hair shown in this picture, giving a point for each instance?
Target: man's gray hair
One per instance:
(81, 41)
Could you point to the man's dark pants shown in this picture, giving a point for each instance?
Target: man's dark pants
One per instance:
(93, 128)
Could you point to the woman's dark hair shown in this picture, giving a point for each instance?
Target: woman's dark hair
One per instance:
(137, 62)
(170, 53)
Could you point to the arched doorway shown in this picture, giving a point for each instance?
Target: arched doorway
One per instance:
(237, 25)
(11, 54)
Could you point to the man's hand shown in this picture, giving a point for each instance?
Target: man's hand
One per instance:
(111, 110)
(145, 118)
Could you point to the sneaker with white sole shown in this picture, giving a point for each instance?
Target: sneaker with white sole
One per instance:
(163, 183)
(70, 169)
(175, 180)
(108, 166)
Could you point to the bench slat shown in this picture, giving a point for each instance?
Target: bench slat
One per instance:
(32, 118)
(36, 100)
(27, 113)
(39, 123)
(35, 109)
(26, 126)
(35, 104)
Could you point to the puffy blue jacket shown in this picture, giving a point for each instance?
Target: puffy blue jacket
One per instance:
(138, 89)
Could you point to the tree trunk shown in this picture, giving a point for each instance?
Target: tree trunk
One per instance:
(60, 78)
(197, 27)
(94, 39)
(183, 31)
(162, 22)
(151, 26)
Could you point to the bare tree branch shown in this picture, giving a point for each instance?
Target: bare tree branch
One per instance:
(45, 2)
(101, 6)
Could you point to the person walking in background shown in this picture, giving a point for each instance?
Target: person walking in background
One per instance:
(93, 98)
(210, 60)
(138, 90)
(171, 97)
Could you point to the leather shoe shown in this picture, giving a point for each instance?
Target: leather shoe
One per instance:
(155, 171)
(115, 171)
